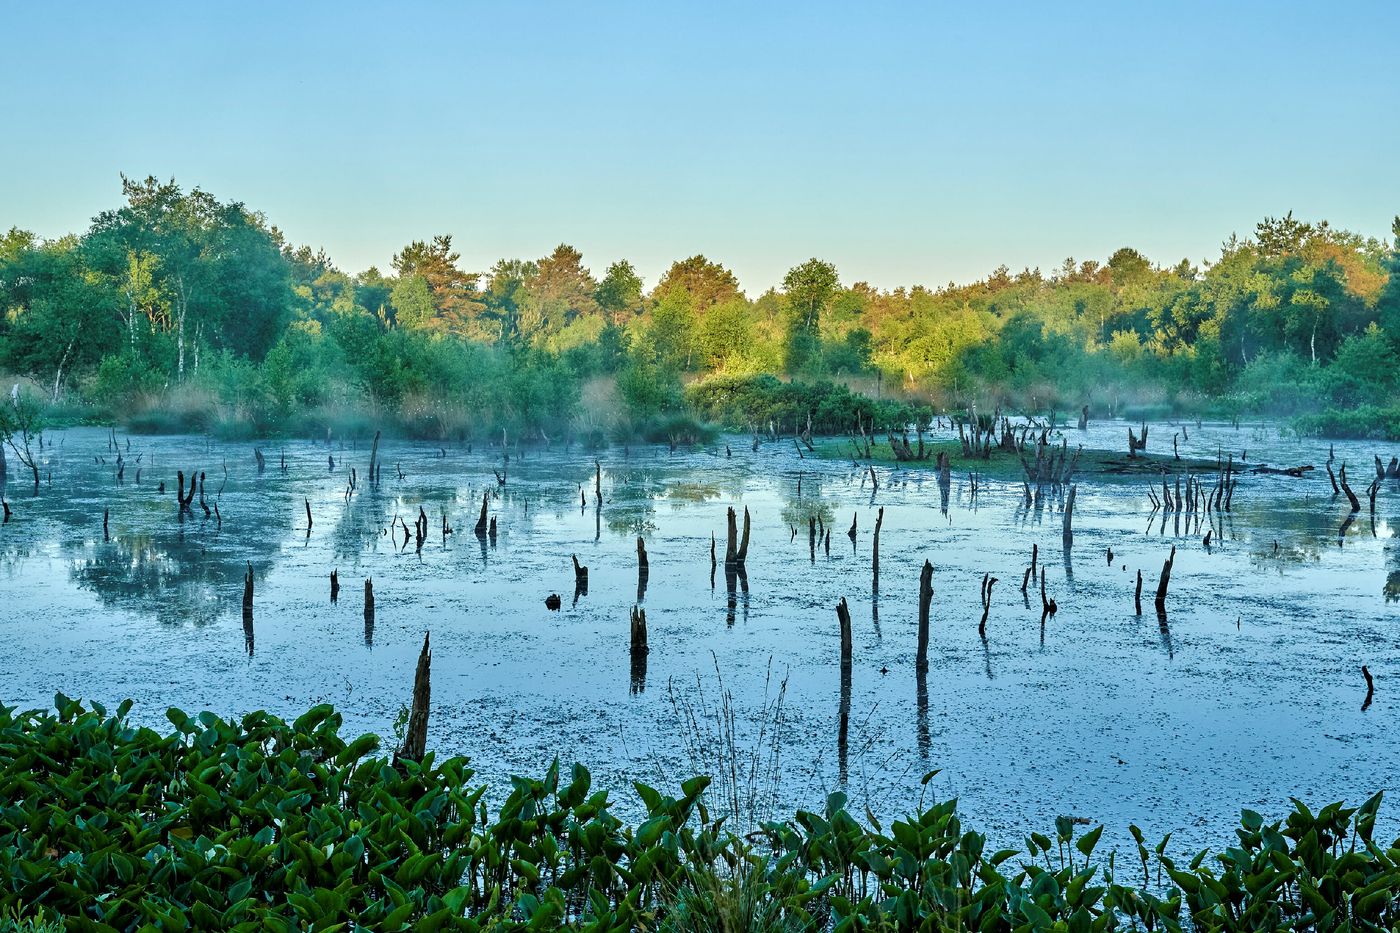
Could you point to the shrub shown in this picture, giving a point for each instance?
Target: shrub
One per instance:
(260, 824)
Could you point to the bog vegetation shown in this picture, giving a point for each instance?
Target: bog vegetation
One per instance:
(178, 310)
(259, 824)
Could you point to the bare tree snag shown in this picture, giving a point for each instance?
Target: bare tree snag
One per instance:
(598, 482)
(743, 553)
(1351, 496)
(1162, 581)
(843, 617)
(480, 528)
(1333, 477)
(731, 540)
(1068, 534)
(643, 568)
(580, 577)
(875, 550)
(1370, 688)
(248, 588)
(415, 741)
(987, 581)
(925, 599)
(1137, 595)
(852, 533)
(262, 464)
(308, 516)
(374, 466)
(335, 586)
(639, 632)
(107, 537)
(1047, 606)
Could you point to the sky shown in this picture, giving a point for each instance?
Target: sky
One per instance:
(907, 143)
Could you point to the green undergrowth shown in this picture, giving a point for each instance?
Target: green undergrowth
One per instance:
(261, 824)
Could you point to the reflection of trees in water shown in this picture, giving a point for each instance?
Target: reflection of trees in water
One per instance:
(175, 580)
(1282, 533)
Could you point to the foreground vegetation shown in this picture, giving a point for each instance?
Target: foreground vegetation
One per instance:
(178, 311)
(260, 824)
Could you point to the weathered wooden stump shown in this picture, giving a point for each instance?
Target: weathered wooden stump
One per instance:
(639, 631)
(580, 578)
(1162, 581)
(925, 599)
(415, 740)
(481, 524)
(843, 618)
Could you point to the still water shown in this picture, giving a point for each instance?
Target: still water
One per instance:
(1251, 694)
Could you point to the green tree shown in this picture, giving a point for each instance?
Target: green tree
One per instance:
(707, 283)
(620, 292)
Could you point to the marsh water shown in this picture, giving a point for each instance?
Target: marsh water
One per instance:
(1250, 694)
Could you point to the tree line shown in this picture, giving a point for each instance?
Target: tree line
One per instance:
(177, 305)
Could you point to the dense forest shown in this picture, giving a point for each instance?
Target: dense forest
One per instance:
(177, 310)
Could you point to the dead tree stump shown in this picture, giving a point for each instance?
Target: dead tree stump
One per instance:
(335, 586)
(843, 617)
(742, 554)
(580, 577)
(480, 528)
(925, 599)
(1068, 534)
(731, 541)
(875, 551)
(639, 632)
(248, 588)
(415, 741)
(1351, 496)
(1161, 601)
(987, 581)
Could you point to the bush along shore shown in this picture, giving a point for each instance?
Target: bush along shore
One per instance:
(260, 824)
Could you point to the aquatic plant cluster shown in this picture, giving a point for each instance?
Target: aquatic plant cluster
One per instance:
(260, 824)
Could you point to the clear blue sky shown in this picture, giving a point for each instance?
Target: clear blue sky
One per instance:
(907, 143)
